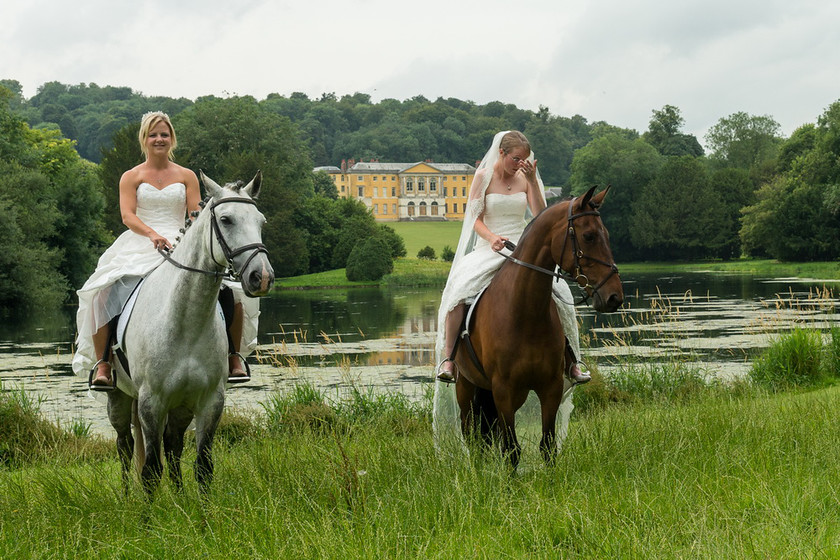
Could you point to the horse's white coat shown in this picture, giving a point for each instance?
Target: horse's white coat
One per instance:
(176, 341)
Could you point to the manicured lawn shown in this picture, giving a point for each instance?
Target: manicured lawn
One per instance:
(436, 235)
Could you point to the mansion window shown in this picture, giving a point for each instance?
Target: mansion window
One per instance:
(393, 191)
(361, 192)
(421, 184)
(432, 185)
(409, 185)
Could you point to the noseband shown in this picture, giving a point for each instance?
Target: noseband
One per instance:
(230, 271)
(578, 276)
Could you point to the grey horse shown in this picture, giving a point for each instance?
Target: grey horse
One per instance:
(175, 341)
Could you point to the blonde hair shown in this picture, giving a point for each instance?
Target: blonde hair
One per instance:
(514, 139)
(147, 123)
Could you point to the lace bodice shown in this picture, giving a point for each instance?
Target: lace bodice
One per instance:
(504, 214)
(162, 208)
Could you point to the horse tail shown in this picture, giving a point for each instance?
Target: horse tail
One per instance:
(139, 442)
(487, 415)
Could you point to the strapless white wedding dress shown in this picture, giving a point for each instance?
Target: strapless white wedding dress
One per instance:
(131, 257)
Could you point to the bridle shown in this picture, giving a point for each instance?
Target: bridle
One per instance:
(230, 271)
(578, 276)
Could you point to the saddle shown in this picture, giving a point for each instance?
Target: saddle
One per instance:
(116, 338)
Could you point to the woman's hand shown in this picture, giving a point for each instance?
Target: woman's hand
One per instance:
(497, 243)
(159, 241)
(529, 168)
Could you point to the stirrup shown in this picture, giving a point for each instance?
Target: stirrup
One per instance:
(104, 388)
(445, 376)
(240, 378)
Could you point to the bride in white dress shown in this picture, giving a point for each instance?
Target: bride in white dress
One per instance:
(505, 193)
(155, 197)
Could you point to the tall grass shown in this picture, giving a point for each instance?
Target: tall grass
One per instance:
(720, 477)
(662, 463)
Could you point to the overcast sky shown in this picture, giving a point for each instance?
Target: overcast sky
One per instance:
(611, 60)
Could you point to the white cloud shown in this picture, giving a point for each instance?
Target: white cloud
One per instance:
(604, 59)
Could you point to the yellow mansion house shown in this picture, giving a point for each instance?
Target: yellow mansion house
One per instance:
(405, 191)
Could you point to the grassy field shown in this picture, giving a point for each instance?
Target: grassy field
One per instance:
(412, 271)
(657, 465)
(717, 475)
(436, 235)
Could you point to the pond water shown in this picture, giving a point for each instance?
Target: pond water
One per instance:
(383, 340)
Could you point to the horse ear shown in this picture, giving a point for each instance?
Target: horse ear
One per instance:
(584, 200)
(212, 188)
(598, 199)
(253, 188)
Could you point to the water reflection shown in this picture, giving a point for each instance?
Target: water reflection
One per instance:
(384, 339)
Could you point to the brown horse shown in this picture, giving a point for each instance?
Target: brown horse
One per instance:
(516, 331)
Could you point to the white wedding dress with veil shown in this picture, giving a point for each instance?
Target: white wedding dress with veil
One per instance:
(131, 257)
(473, 268)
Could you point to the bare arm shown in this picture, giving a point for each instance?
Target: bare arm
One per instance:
(536, 199)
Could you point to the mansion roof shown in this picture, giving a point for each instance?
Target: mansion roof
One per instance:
(396, 168)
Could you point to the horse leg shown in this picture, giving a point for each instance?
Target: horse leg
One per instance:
(177, 423)
(486, 416)
(507, 403)
(206, 422)
(549, 403)
(151, 422)
(119, 413)
(464, 394)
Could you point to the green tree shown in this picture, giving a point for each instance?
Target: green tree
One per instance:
(123, 155)
(324, 185)
(427, 253)
(369, 260)
(230, 139)
(677, 215)
(795, 216)
(744, 141)
(627, 166)
(664, 134)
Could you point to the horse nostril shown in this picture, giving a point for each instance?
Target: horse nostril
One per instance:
(615, 301)
(255, 278)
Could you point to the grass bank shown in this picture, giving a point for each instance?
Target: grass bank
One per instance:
(720, 477)
(655, 466)
(756, 267)
(407, 272)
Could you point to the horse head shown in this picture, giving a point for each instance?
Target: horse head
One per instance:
(582, 249)
(236, 242)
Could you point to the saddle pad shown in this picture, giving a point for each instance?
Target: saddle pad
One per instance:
(125, 315)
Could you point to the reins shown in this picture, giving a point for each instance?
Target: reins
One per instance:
(230, 271)
(578, 277)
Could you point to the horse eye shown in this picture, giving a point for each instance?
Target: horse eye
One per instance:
(589, 237)
(225, 220)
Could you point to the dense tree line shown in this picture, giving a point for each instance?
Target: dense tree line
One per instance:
(754, 193)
